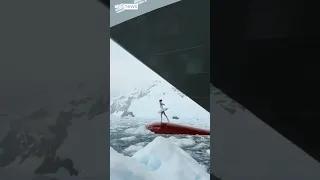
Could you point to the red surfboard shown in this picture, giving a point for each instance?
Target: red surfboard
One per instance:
(170, 128)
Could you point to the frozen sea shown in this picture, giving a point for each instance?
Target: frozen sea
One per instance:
(128, 135)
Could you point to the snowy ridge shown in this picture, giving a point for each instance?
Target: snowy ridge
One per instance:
(143, 102)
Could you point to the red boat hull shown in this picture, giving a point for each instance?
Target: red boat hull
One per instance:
(170, 128)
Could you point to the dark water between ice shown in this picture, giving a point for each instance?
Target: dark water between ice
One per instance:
(119, 131)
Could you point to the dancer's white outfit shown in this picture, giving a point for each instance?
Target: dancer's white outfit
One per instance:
(162, 111)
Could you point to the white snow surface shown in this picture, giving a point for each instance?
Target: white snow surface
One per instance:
(177, 103)
(142, 130)
(160, 159)
(182, 142)
(132, 149)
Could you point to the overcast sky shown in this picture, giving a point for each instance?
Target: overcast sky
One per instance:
(126, 72)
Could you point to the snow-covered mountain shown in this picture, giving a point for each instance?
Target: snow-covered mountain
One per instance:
(144, 102)
(49, 139)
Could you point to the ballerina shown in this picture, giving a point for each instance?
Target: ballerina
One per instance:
(162, 110)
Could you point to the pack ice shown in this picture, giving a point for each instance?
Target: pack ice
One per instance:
(160, 159)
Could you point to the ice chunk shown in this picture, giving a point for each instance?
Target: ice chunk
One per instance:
(130, 138)
(132, 149)
(141, 144)
(160, 159)
(183, 142)
(141, 130)
(126, 168)
(164, 157)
